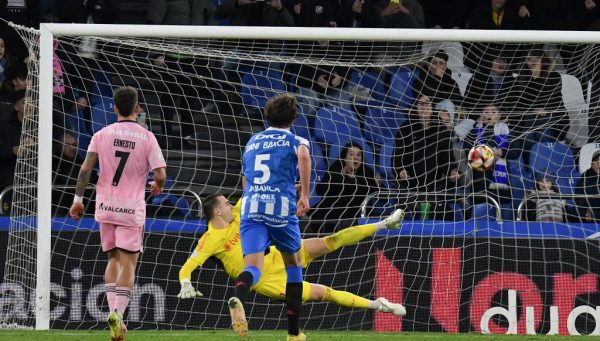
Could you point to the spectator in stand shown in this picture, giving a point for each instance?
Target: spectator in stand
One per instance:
(589, 185)
(547, 207)
(533, 102)
(315, 13)
(255, 13)
(435, 80)
(186, 78)
(447, 13)
(321, 84)
(491, 15)
(350, 13)
(10, 135)
(16, 79)
(66, 162)
(423, 159)
(589, 15)
(485, 84)
(545, 14)
(3, 61)
(198, 12)
(344, 186)
(393, 14)
(493, 132)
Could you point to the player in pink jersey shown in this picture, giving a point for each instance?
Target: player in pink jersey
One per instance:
(126, 151)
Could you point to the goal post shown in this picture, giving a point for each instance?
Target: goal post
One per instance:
(193, 39)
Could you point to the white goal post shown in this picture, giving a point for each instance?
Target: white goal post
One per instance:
(50, 31)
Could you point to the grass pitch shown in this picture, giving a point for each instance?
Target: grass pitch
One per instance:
(154, 335)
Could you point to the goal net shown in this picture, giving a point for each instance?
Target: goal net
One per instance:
(513, 248)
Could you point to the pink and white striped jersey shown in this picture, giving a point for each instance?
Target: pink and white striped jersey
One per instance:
(126, 152)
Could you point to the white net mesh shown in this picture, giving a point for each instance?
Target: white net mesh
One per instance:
(412, 110)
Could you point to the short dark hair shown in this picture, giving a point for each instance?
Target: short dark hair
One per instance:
(441, 55)
(209, 204)
(126, 99)
(281, 110)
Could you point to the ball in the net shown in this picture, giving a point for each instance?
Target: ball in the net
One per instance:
(481, 158)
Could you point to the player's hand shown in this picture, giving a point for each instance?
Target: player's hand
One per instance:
(188, 291)
(76, 210)
(302, 207)
(154, 189)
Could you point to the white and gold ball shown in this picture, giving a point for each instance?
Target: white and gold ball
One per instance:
(481, 158)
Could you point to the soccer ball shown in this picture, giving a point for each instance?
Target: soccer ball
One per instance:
(481, 158)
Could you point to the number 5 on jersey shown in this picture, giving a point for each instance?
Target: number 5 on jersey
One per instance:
(264, 168)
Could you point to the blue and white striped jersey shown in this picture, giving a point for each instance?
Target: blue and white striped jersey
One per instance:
(270, 166)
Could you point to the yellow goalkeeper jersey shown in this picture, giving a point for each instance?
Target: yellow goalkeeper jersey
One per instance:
(225, 245)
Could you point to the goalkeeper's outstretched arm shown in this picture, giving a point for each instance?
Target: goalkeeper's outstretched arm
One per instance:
(185, 276)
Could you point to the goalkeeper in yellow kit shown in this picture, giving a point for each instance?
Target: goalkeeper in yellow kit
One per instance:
(222, 240)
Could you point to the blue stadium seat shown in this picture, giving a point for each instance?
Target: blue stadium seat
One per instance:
(260, 84)
(552, 157)
(370, 80)
(401, 83)
(385, 161)
(336, 126)
(520, 179)
(170, 200)
(102, 115)
(382, 124)
(101, 91)
(319, 166)
(301, 126)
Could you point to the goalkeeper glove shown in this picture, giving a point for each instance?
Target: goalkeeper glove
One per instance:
(188, 291)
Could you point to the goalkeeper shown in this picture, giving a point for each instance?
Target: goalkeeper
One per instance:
(222, 241)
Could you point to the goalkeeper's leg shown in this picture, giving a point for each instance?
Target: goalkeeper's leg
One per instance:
(323, 293)
(317, 247)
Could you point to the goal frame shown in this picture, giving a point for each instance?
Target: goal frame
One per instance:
(50, 31)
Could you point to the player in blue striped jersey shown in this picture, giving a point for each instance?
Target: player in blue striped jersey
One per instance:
(272, 162)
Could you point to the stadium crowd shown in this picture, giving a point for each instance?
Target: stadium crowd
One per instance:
(433, 119)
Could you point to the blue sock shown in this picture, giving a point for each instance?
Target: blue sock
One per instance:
(294, 274)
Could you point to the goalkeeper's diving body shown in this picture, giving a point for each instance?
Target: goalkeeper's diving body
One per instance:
(222, 241)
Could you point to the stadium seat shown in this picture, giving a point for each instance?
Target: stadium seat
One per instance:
(260, 84)
(181, 204)
(552, 157)
(336, 126)
(577, 108)
(585, 156)
(557, 159)
(382, 124)
(454, 50)
(101, 90)
(370, 80)
(520, 180)
(385, 161)
(319, 166)
(102, 115)
(301, 126)
(462, 80)
(400, 93)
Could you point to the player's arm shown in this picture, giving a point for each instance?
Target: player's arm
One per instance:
(160, 176)
(203, 251)
(83, 179)
(304, 164)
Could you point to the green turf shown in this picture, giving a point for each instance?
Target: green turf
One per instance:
(153, 335)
